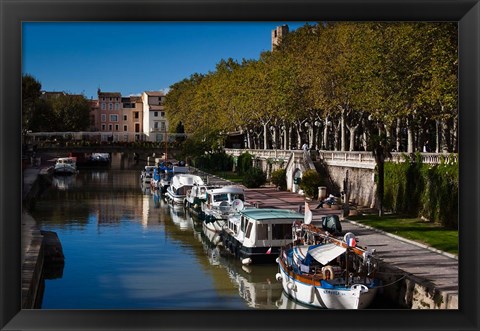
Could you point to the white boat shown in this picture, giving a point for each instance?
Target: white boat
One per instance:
(323, 271)
(65, 166)
(147, 174)
(196, 196)
(255, 235)
(220, 203)
(179, 186)
(165, 174)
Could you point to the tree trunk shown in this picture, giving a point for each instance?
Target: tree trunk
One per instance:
(410, 135)
(455, 135)
(444, 128)
(398, 135)
(342, 131)
(336, 135)
(265, 136)
(311, 141)
(325, 134)
(380, 186)
(352, 131)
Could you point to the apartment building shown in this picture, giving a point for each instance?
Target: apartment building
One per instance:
(110, 121)
(132, 118)
(155, 125)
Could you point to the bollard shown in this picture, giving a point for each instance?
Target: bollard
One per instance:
(322, 192)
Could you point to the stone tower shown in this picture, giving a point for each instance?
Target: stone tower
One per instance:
(278, 34)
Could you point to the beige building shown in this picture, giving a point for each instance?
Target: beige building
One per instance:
(132, 116)
(155, 125)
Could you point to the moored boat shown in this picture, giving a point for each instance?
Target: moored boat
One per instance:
(327, 272)
(255, 235)
(220, 203)
(165, 174)
(65, 166)
(179, 186)
(147, 174)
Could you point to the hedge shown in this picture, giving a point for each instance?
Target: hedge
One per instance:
(418, 189)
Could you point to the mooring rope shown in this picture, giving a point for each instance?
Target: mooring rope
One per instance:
(396, 281)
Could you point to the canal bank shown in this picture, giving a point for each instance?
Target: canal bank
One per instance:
(37, 249)
(414, 275)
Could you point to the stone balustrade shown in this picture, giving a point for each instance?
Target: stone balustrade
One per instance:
(355, 158)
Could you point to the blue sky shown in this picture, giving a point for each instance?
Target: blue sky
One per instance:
(132, 57)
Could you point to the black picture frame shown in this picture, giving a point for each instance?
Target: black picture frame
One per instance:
(466, 12)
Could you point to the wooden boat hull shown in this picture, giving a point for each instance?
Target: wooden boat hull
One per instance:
(313, 293)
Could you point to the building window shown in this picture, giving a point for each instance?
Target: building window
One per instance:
(155, 125)
(125, 128)
(104, 117)
(116, 127)
(113, 118)
(116, 106)
(110, 106)
(163, 126)
(125, 137)
(155, 113)
(110, 127)
(136, 114)
(124, 117)
(162, 114)
(103, 127)
(104, 106)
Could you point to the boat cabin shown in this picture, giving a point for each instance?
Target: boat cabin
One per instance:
(257, 227)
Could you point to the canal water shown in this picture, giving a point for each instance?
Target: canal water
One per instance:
(125, 248)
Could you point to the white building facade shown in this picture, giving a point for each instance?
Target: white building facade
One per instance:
(155, 124)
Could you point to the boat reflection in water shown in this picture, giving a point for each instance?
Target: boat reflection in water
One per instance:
(179, 217)
(256, 284)
(63, 183)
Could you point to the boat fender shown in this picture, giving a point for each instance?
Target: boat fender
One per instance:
(278, 277)
(312, 294)
(360, 288)
(216, 239)
(277, 259)
(247, 269)
(291, 286)
(327, 272)
(246, 261)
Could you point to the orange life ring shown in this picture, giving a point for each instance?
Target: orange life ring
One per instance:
(328, 273)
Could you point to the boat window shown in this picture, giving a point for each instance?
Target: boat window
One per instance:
(281, 231)
(238, 196)
(262, 231)
(220, 197)
(249, 229)
(243, 224)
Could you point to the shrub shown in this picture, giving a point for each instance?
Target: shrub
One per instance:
(219, 161)
(244, 163)
(254, 177)
(310, 182)
(279, 178)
